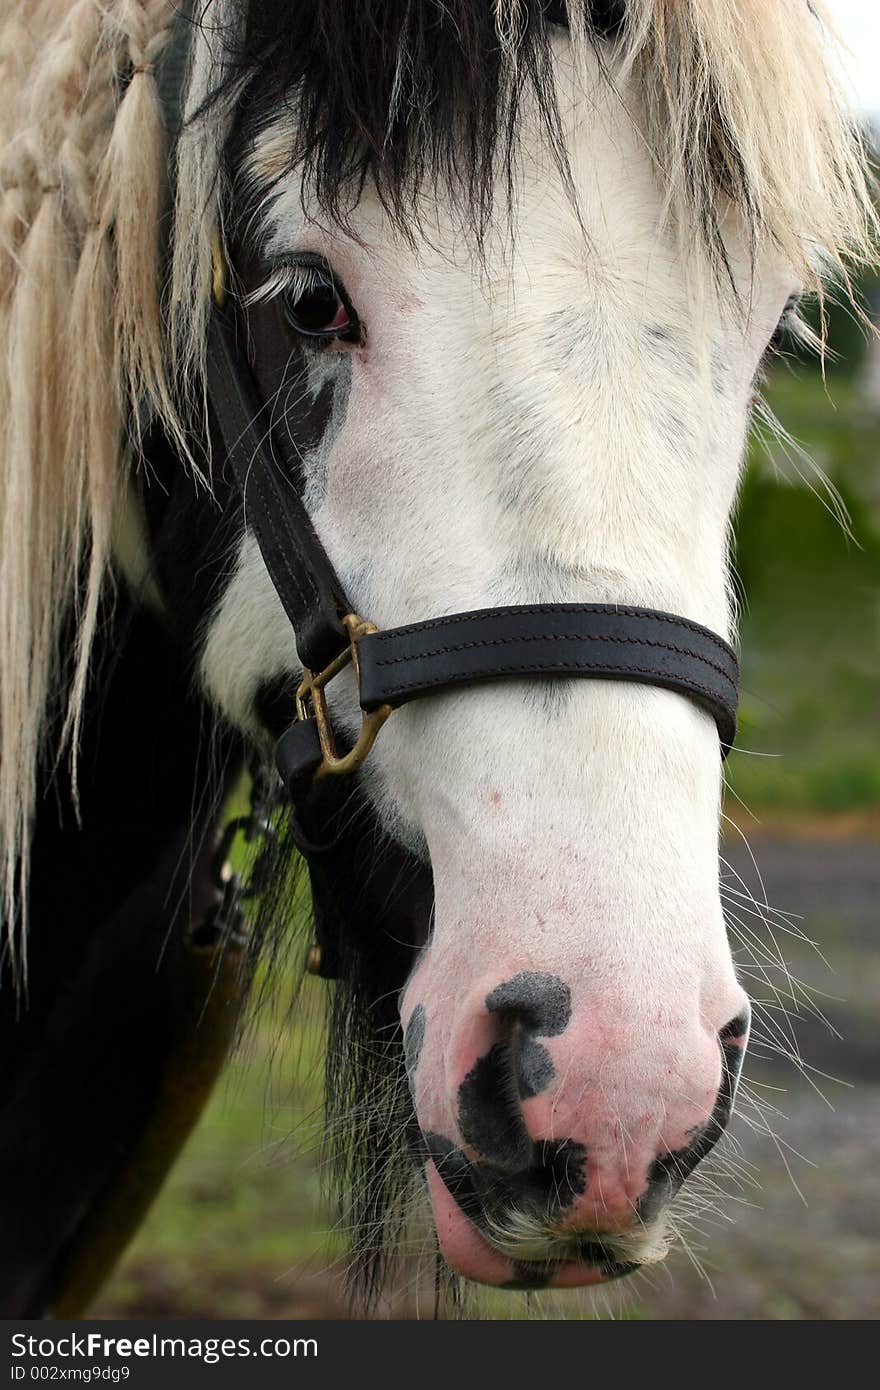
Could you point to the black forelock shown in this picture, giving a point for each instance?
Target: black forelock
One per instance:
(397, 91)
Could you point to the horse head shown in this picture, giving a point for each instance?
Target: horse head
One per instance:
(548, 406)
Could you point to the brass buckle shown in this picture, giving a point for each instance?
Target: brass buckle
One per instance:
(311, 702)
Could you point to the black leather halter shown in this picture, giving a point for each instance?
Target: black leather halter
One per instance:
(601, 641)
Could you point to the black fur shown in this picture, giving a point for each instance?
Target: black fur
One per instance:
(112, 886)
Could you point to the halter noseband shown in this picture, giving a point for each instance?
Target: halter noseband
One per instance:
(392, 667)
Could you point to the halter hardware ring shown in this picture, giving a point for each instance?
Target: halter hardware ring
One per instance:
(311, 703)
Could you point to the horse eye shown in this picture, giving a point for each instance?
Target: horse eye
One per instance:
(318, 310)
(778, 337)
(784, 323)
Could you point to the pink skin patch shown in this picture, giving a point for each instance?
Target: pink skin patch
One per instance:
(460, 1242)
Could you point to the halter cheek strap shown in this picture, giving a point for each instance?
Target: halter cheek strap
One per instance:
(298, 565)
(392, 667)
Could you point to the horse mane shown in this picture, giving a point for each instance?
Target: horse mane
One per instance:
(82, 189)
(738, 104)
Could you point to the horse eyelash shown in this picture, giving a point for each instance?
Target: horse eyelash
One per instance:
(797, 328)
(289, 278)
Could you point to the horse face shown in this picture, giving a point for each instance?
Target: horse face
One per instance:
(560, 418)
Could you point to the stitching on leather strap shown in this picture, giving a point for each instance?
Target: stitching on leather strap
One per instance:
(617, 610)
(612, 674)
(557, 637)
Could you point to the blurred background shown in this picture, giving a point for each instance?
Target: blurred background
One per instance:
(793, 1204)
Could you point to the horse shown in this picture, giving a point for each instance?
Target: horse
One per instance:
(376, 383)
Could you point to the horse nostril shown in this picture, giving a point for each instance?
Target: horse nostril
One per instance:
(517, 1067)
(737, 1028)
(668, 1172)
(508, 1169)
(733, 1039)
(489, 1114)
(531, 1005)
(540, 1002)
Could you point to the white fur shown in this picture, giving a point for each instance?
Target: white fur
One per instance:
(250, 607)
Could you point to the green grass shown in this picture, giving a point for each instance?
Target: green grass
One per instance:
(810, 651)
(243, 1206)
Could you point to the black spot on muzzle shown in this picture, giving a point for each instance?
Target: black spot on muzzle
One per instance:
(544, 1187)
(541, 1002)
(515, 1069)
(530, 1274)
(513, 1172)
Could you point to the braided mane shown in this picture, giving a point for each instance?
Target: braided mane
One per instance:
(82, 190)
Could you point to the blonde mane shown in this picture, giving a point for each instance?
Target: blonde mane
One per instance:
(740, 103)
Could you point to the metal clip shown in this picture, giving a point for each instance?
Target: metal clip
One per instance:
(311, 702)
(226, 918)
